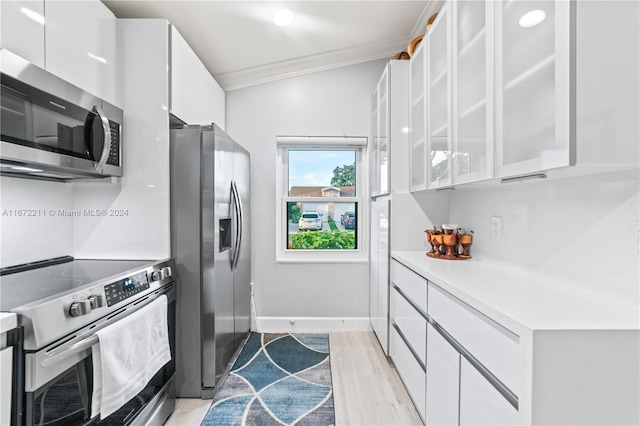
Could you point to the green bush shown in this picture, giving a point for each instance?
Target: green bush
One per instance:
(323, 240)
(294, 213)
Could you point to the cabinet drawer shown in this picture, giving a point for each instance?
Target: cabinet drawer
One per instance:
(411, 284)
(409, 370)
(480, 402)
(412, 325)
(493, 345)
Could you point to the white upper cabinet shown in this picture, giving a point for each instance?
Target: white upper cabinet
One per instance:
(379, 147)
(389, 131)
(75, 40)
(564, 95)
(81, 45)
(418, 118)
(472, 90)
(196, 98)
(523, 87)
(22, 29)
(532, 86)
(439, 101)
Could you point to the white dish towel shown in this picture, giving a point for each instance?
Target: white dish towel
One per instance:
(128, 355)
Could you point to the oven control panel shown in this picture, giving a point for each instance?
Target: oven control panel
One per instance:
(123, 289)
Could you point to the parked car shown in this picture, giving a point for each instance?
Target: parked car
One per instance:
(310, 220)
(348, 220)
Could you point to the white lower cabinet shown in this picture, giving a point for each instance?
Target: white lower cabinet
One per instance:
(443, 377)
(411, 324)
(480, 402)
(409, 370)
(432, 349)
(491, 344)
(379, 271)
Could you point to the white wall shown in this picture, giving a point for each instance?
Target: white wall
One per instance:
(328, 103)
(580, 232)
(32, 225)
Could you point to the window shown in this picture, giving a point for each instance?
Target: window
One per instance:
(320, 212)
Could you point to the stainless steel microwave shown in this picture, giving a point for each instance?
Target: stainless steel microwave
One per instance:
(54, 130)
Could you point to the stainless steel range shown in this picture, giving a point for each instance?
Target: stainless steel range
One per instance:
(61, 303)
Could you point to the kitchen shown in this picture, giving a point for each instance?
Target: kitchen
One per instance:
(552, 228)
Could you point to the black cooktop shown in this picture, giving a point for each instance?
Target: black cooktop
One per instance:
(30, 285)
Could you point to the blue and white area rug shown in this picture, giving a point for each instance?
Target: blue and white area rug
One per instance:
(278, 379)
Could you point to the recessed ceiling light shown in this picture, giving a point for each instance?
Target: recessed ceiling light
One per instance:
(533, 18)
(33, 15)
(283, 18)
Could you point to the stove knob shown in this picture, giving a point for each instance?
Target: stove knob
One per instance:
(166, 271)
(157, 275)
(96, 301)
(81, 307)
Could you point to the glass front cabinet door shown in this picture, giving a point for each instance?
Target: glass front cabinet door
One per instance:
(380, 136)
(532, 86)
(417, 118)
(472, 109)
(439, 101)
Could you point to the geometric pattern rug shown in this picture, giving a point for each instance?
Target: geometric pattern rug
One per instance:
(277, 379)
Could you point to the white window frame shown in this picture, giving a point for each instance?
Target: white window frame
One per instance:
(285, 255)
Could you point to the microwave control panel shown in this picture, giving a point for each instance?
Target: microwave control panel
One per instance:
(114, 153)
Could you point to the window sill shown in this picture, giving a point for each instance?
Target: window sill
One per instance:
(315, 259)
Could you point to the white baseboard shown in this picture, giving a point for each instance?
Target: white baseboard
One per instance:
(311, 324)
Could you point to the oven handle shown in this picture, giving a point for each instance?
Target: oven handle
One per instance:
(67, 352)
(64, 351)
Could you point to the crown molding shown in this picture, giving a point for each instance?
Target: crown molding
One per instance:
(432, 7)
(310, 64)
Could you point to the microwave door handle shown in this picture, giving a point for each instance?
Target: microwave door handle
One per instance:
(106, 148)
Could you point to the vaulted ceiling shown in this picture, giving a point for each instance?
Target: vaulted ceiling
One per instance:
(240, 45)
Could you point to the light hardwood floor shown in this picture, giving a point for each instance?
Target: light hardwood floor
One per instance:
(366, 388)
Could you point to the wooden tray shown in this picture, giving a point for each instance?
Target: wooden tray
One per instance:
(460, 257)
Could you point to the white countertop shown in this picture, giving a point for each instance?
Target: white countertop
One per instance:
(518, 302)
(8, 321)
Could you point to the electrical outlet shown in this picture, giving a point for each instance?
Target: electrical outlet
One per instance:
(496, 227)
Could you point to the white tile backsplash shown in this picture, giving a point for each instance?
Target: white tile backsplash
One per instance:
(571, 231)
(34, 224)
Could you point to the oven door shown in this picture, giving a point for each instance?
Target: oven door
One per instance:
(59, 382)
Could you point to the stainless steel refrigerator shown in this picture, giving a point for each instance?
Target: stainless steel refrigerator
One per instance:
(210, 240)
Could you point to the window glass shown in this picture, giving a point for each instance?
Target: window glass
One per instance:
(321, 202)
(322, 173)
(322, 225)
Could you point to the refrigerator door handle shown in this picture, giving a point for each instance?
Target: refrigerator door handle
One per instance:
(234, 205)
(240, 226)
(237, 204)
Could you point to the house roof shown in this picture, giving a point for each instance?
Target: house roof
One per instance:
(321, 191)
